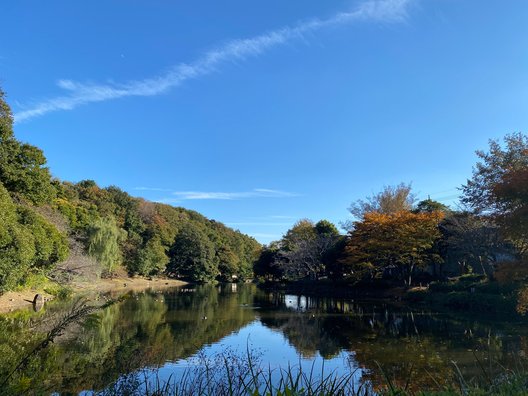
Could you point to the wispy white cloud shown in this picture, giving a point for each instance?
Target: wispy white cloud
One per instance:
(168, 201)
(266, 236)
(255, 193)
(271, 218)
(152, 189)
(78, 94)
(283, 217)
(177, 197)
(257, 224)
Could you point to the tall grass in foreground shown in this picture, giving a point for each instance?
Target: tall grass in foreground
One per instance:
(237, 380)
(228, 374)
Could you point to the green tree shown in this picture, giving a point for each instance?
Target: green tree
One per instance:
(192, 256)
(325, 227)
(512, 194)
(429, 205)
(17, 249)
(502, 159)
(51, 246)
(304, 230)
(228, 263)
(27, 242)
(305, 247)
(267, 265)
(498, 187)
(22, 166)
(152, 258)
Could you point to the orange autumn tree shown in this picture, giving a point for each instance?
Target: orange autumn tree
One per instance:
(398, 243)
(511, 192)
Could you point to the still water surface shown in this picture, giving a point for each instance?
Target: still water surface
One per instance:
(174, 330)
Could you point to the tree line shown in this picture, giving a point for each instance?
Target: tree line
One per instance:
(397, 239)
(46, 222)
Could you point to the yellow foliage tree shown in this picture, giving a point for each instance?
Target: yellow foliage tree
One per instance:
(396, 242)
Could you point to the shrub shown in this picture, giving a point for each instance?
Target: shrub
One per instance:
(27, 243)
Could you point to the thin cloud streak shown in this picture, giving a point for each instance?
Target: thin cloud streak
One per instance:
(168, 201)
(180, 196)
(267, 236)
(391, 11)
(258, 224)
(273, 217)
(152, 189)
(255, 193)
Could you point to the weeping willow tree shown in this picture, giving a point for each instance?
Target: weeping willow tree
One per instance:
(104, 237)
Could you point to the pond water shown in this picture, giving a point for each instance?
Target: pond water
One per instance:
(168, 333)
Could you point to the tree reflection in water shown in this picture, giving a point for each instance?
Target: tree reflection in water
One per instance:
(152, 329)
(404, 343)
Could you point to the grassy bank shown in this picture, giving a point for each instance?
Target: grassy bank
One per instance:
(470, 293)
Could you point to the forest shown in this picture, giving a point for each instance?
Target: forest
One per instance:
(60, 230)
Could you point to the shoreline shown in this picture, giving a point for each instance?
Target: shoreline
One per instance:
(18, 300)
(337, 289)
(451, 301)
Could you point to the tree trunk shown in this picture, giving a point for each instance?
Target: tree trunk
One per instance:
(411, 269)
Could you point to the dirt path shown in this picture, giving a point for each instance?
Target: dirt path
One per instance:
(12, 301)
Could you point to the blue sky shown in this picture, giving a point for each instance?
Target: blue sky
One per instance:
(258, 114)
